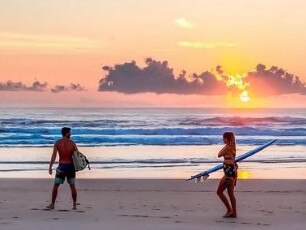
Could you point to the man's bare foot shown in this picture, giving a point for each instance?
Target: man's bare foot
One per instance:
(230, 215)
(50, 206)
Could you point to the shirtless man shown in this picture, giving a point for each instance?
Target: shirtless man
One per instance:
(65, 148)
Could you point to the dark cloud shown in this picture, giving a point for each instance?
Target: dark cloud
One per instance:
(219, 69)
(157, 77)
(274, 81)
(19, 86)
(38, 87)
(71, 87)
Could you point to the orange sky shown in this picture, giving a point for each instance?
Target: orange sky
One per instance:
(63, 42)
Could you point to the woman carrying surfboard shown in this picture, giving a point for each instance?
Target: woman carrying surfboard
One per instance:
(229, 179)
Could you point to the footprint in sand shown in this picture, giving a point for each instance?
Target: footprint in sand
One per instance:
(144, 216)
(79, 211)
(219, 221)
(264, 224)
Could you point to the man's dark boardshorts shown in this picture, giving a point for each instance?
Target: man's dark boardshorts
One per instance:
(64, 171)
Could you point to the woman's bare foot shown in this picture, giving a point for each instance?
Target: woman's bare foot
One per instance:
(227, 214)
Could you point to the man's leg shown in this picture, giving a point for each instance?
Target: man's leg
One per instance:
(73, 194)
(71, 182)
(54, 195)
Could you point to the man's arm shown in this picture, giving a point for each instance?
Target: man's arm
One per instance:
(53, 157)
(75, 147)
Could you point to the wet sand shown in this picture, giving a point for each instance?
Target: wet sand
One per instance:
(151, 204)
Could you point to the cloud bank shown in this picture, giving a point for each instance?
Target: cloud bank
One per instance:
(71, 87)
(157, 77)
(39, 87)
(19, 86)
(275, 81)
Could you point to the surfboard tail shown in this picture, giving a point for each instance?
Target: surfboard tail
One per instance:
(199, 178)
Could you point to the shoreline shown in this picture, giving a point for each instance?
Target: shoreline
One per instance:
(151, 204)
(157, 162)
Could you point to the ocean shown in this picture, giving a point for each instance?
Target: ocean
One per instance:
(152, 142)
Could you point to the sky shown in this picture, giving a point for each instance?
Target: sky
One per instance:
(144, 53)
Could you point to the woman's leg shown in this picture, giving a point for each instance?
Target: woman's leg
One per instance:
(230, 190)
(220, 193)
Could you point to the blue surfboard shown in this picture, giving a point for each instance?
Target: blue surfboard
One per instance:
(239, 158)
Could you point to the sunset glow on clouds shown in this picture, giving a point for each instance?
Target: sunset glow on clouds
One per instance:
(159, 78)
(57, 48)
(184, 23)
(18, 43)
(204, 45)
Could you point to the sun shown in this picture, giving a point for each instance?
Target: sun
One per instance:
(244, 174)
(244, 96)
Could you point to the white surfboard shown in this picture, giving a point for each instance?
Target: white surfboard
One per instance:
(205, 174)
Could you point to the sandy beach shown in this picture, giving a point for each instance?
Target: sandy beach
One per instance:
(151, 204)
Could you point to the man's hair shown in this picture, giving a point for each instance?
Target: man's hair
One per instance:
(65, 130)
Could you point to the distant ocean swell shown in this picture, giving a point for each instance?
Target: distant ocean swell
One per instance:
(171, 131)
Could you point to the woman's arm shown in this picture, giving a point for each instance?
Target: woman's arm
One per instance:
(222, 152)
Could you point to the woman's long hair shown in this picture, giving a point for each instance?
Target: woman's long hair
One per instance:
(230, 137)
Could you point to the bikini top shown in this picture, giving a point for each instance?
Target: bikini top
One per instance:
(229, 158)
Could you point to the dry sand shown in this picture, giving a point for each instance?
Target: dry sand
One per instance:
(151, 204)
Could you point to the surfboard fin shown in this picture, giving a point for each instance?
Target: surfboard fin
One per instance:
(201, 179)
